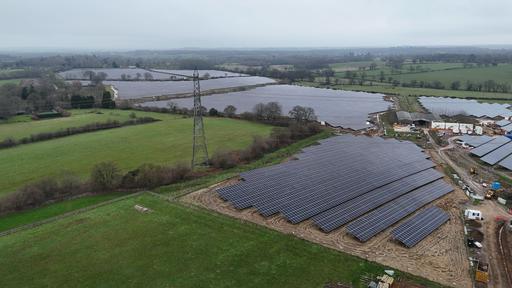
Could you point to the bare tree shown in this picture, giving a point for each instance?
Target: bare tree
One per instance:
(302, 114)
(148, 76)
(230, 111)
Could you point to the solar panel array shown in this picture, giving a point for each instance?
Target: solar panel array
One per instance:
(457, 106)
(490, 146)
(475, 141)
(497, 150)
(420, 226)
(378, 220)
(503, 123)
(496, 155)
(340, 180)
(347, 109)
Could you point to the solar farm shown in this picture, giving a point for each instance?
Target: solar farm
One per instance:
(358, 194)
(454, 106)
(345, 109)
(493, 151)
(141, 89)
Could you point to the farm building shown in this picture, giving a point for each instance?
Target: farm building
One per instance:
(418, 119)
(457, 128)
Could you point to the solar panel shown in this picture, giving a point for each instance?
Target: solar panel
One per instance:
(475, 141)
(420, 226)
(490, 146)
(503, 123)
(506, 163)
(350, 210)
(498, 154)
(337, 181)
(381, 218)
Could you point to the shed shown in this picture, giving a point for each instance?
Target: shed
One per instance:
(418, 119)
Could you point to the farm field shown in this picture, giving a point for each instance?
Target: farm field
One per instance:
(78, 118)
(11, 81)
(165, 142)
(51, 210)
(500, 74)
(409, 91)
(172, 246)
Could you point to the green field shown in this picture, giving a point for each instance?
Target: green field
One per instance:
(409, 91)
(78, 118)
(13, 81)
(30, 216)
(172, 246)
(165, 142)
(501, 74)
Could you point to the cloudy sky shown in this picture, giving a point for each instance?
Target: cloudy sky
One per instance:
(167, 24)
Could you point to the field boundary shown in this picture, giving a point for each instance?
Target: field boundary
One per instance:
(68, 214)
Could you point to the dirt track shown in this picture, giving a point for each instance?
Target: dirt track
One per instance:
(441, 257)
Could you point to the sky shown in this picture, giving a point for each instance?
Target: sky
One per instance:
(171, 24)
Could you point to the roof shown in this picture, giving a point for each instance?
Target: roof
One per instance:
(414, 116)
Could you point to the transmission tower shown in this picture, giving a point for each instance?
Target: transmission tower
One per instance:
(199, 150)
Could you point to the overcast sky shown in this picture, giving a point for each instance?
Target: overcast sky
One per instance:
(167, 24)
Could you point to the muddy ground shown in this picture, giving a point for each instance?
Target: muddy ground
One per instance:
(441, 257)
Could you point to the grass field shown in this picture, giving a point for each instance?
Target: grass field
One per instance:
(30, 216)
(172, 246)
(409, 91)
(78, 118)
(51, 210)
(501, 74)
(13, 81)
(166, 142)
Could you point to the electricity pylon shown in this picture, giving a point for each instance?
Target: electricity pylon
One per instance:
(199, 150)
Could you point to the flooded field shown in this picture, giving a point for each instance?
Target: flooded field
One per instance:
(347, 109)
(456, 106)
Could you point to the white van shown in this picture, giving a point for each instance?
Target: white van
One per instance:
(473, 214)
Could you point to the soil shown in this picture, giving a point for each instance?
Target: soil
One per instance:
(440, 257)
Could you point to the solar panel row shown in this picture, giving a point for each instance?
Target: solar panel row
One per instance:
(340, 180)
(381, 218)
(420, 226)
(350, 210)
(475, 141)
(497, 155)
(490, 146)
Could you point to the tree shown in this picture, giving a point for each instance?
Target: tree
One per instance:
(213, 112)
(89, 74)
(455, 85)
(206, 75)
(105, 176)
(137, 76)
(259, 110)
(382, 76)
(173, 107)
(106, 101)
(230, 111)
(124, 77)
(148, 76)
(272, 110)
(302, 114)
(98, 78)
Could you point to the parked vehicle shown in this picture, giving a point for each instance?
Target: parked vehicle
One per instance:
(473, 214)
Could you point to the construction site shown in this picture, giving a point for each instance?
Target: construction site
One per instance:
(428, 205)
